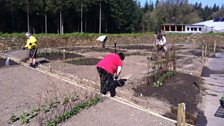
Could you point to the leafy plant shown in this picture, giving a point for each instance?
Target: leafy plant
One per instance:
(25, 118)
(162, 79)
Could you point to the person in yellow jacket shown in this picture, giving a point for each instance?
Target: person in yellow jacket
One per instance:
(31, 44)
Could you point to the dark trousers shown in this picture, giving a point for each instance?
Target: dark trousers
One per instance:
(160, 48)
(107, 82)
(33, 53)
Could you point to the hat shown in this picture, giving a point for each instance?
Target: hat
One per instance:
(28, 34)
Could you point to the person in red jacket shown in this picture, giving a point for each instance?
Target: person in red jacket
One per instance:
(110, 66)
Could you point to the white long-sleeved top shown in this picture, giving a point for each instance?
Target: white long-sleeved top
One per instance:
(101, 38)
(161, 42)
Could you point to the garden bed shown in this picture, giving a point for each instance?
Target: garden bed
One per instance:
(93, 49)
(84, 61)
(182, 87)
(58, 55)
(137, 47)
(176, 89)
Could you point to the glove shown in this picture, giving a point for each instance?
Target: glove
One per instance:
(23, 48)
(116, 77)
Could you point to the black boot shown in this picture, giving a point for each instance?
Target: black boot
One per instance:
(103, 89)
(35, 65)
(112, 90)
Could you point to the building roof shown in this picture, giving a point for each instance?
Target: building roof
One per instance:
(216, 25)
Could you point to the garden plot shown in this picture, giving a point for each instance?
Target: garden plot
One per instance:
(183, 86)
(33, 98)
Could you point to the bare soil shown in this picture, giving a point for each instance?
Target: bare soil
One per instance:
(84, 61)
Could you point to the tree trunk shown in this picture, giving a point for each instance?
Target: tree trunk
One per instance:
(28, 17)
(45, 21)
(12, 14)
(100, 20)
(81, 18)
(61, 24)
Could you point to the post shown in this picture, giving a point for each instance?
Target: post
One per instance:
(202, 51)
(181, 114)
(215, 44)
(63, 54)
(100, 20)
(206, 48)
(115, 45)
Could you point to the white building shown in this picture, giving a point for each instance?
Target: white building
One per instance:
(216, 25)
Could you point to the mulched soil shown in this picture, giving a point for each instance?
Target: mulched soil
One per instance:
(2, 62)
(96, 49)
(59, 56)
(84, 61)
(176, 89)
(139, 47)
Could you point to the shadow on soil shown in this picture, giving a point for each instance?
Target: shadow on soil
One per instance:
(3, 61)
(201, 120)
(178, 88)
(207, 71)
(59, 56)
(84, 61)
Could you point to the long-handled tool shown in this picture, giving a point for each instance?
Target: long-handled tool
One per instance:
(115, 47)
(7, 61)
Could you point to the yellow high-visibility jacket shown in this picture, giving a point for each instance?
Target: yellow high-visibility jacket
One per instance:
(31, 43)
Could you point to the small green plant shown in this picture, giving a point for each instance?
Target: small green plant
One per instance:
(13, 118)
(162, 79)
(25, 118)
(44, 108)
(53, 104)
(66, 100)
(34, 112)
(67, 114)
(74, 98)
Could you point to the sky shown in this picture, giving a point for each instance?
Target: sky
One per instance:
(204, 2)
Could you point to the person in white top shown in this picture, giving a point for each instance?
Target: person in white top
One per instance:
(102, 39)
(161, 43)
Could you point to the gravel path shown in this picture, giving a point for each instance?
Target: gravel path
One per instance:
(113, 113)
(213, 75)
